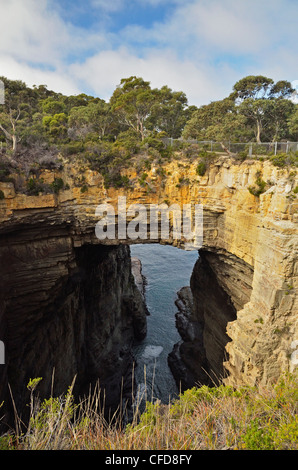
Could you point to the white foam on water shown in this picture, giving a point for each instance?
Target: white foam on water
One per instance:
(152, 351)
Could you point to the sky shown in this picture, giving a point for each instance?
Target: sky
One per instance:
(200, 47)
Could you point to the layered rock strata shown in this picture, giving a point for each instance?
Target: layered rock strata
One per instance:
(70, 313)
(220, 285)
(244, 286)
(187, 360)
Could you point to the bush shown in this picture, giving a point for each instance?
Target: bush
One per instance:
(5, 170)
(73, 148)
(113, 178)
(153, 142)
(57, 185)
(241, 156)
(2, 196)
(129, 140)
(256, 191)
(35, 186)
(201, 169)
(283, 159)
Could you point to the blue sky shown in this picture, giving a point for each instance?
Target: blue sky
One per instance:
(201, 47)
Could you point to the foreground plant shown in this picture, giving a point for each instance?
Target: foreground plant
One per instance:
(202, 418)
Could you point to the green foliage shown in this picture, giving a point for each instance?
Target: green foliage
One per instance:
(129, 141)
(258, 437)
(7, 442)
(57, 185)
(2, 196)
(33, 383)
(283, 159)
(201, 168)
(134, 122)
(35, 186)
(143, 178)
(259, 189)
(4, 170)
(73, 148)
(246, 418)
(116, 180)
(84, 188)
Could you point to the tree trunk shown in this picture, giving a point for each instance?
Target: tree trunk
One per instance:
(142, 131)
(259, 128)
(226, 149)
(14, 143)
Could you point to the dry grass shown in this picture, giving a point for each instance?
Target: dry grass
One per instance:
(202, 418)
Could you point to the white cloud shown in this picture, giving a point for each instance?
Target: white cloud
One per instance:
(104, 71)
(32, 33)
(58, 80)
(202, 48)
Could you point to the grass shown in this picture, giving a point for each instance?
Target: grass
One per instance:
(201, 419)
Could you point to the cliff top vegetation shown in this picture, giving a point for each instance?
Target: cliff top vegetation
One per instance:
(40, 128)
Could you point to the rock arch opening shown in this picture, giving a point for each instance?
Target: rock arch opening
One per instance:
(77, 310)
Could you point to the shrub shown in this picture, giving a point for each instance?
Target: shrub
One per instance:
(258, 437)
(5, 170)
(113, 178)
(35, 186)
(283, 159)
(241, 156)
(129, 140)
(256, 191)
(143, 178)
(57, 185)
(201, 168)
(153, 142)
(73, 148)
(2, 196)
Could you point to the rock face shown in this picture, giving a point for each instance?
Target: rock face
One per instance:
(140, 280)
(188, 361)
(243, 288)
(71, 312)
(220, 285)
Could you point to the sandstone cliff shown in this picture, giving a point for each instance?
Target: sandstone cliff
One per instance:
(244, 286)
(68, 313)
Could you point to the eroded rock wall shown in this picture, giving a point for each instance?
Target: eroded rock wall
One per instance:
(249, 248)
(69, 313)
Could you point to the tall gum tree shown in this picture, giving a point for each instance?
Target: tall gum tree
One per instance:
(262, 102)
(132, 101)
(15, 113)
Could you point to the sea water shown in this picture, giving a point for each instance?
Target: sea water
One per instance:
(166, 270)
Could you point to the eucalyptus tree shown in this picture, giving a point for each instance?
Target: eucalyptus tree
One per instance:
(16, 111)
(263, 103)
(93, 117)
(132, 102)
(216, 121)
(168, 113)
